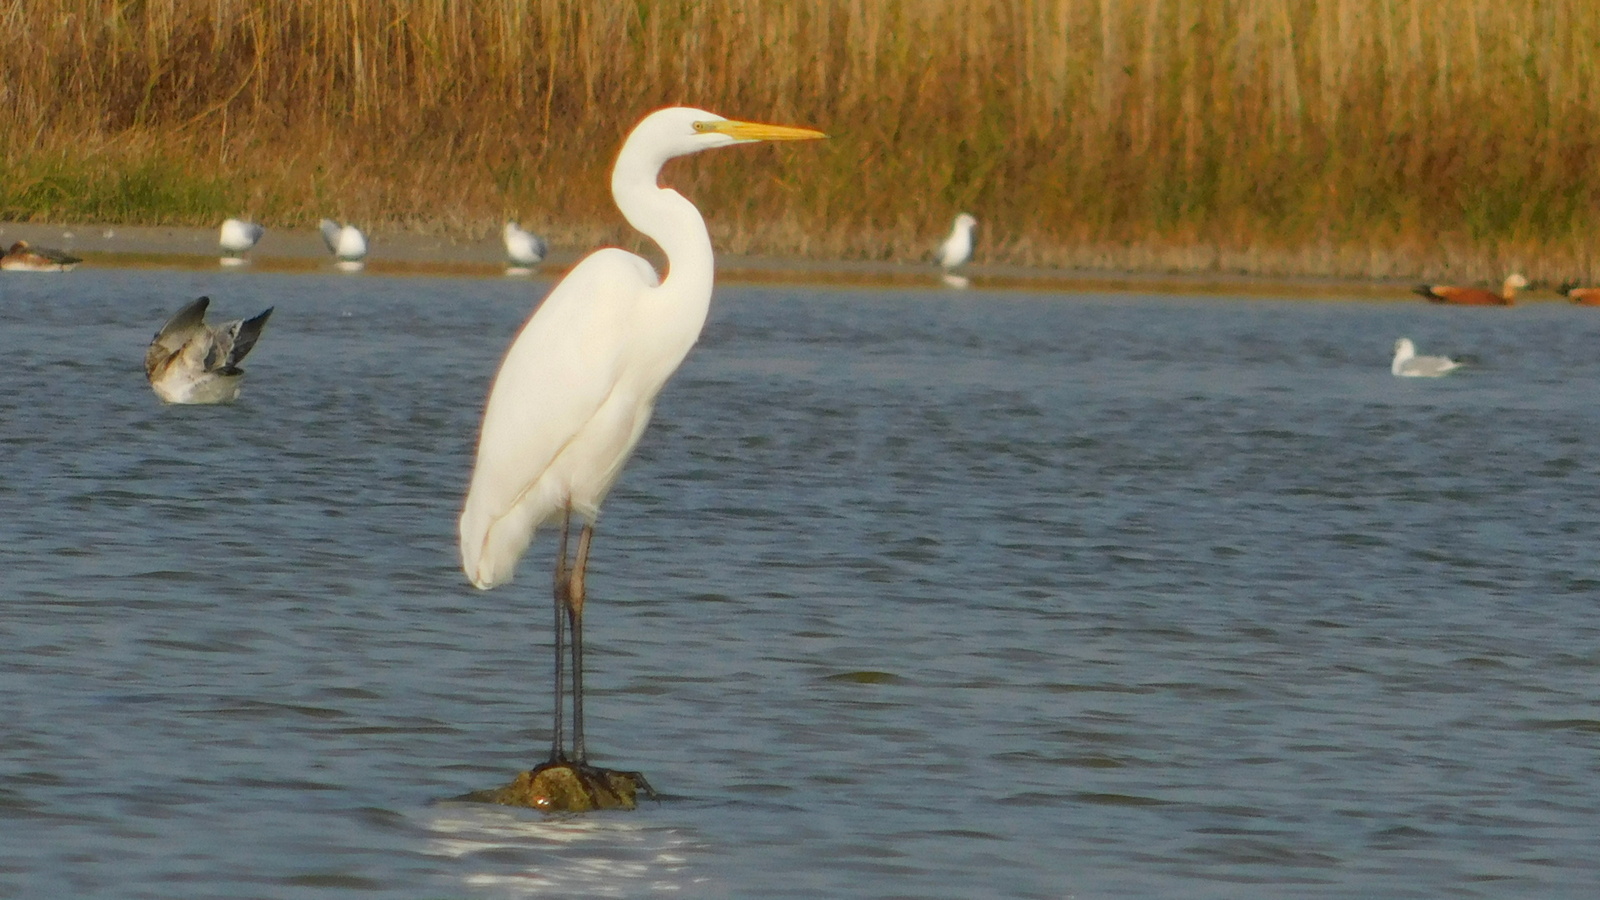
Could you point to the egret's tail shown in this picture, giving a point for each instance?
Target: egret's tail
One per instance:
(491, 546)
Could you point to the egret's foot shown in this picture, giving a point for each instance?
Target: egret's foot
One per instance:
(562, 786)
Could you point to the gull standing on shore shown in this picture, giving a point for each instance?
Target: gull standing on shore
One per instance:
(189, 361)
(346, 243)
(956, 249)
(1407, 364)
(524, 249)
(236, 238)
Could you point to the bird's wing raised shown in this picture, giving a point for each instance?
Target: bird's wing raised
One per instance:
(245, 334)
(175, 333)
(330, 234)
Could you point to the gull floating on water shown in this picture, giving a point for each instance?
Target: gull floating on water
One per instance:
(24, 257)
(1407, 364)
(236, 239)
(346, 243)
(524, 249)
(1472, 296)
(192, 362)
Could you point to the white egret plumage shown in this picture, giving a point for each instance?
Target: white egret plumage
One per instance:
(236, 237)
(577, 386)
(524, 249)
(189, 361)
(1407, 364)
(347, 244)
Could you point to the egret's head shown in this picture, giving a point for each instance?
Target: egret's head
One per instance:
(1405, 348)
(681, 130)
(966, 222)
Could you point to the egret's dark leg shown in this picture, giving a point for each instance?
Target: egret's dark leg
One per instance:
(563, 588)
(575, 596)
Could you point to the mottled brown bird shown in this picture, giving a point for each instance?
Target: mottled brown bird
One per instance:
(189, 361)
(24, 257)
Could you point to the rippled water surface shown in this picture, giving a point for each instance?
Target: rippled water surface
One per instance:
(906, 594)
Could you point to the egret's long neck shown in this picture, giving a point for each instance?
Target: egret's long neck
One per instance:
(667, 218)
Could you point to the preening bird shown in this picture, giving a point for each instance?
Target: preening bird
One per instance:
(1584, 296)
(1407, 364)
(346, 243)
(957, 248)
(236, 238)
(578, 384)
(191, 362)
(24, 257)
(1471, 296)
(524, 249)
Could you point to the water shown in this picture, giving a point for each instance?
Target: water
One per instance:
(906, 594)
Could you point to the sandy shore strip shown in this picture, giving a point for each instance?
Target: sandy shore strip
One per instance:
(160, 246)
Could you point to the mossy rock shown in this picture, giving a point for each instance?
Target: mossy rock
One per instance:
(560, 786)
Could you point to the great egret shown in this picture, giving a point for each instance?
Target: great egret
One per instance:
(236, 238)
(24, 257)
(578, 384)
(1584, 296)
(957, 248)
(1471, 296)
(191, 362)
(524, 249)
(346, 243)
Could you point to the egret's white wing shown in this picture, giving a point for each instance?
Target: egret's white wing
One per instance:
(557, 377)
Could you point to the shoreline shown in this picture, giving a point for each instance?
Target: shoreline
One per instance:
(302, 250)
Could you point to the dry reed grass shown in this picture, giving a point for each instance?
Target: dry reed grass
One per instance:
(1357, 137)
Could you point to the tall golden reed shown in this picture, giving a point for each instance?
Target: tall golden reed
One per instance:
(1316, 136)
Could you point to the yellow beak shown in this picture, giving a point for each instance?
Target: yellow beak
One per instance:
(755, 131)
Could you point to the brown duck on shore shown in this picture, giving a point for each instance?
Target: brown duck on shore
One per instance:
(1472, 296)
(1584, 296)
(24, 257)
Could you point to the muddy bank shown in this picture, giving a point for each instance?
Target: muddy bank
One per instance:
(148, 246)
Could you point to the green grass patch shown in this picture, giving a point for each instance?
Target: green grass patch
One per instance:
(151, 191)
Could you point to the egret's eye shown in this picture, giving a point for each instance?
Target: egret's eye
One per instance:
(704, 127)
